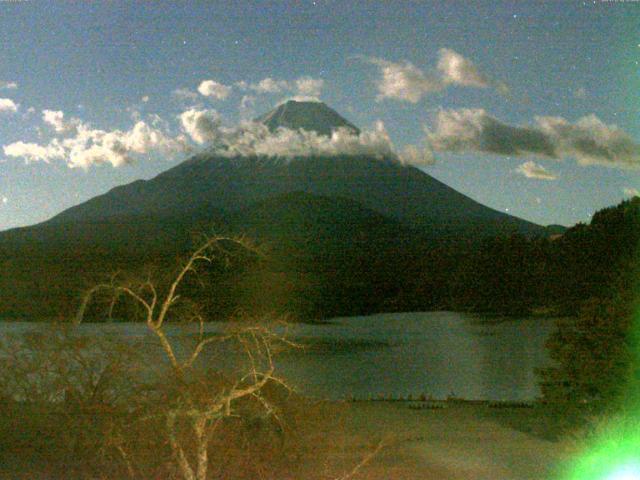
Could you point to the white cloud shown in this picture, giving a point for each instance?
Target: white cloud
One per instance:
(475, 130)
(303, 86)
(534, 170)
(255, 139)
(459, 70)
(413, 155)
(8, 105)
(403, 81)
(4, 200)
(92, 146)
(8, 85)
(631, 192)
(145, 99)
(185, 94)
(270, 85)
(33, 152)
(201, 125)
(588, 140)
(143, 138)
(592, 142)
(55, 118)
(308, 86)
(211, 88)
(300, 98)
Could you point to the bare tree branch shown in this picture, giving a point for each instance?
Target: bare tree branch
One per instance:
(192, 409)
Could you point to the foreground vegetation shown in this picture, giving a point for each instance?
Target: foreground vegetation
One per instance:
(82, 407)
(75, 407)
(324, 441)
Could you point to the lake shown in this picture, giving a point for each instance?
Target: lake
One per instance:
(439, 354)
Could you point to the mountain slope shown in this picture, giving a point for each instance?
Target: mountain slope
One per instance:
(401, 192)
(325, 257)
(310, 222)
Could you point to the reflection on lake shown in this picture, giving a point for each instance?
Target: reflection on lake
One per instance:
(435, 353)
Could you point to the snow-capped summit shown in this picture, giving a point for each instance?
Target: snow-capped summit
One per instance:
(306, 115)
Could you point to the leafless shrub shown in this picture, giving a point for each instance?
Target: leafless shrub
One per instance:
(195, 405)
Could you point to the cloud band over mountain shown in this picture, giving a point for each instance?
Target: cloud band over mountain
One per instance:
(88, 146)
(82, 146)
(589, 140)
(255, 139)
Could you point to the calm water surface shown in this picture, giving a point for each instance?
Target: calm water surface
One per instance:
(435, 353)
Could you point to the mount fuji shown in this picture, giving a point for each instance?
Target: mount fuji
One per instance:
(351, 216)
(226, 184)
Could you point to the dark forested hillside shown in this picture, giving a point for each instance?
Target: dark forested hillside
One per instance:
(329, 256)
(514, 274)
(593, 352)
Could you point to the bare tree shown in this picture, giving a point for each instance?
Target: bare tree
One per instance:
(197, 401)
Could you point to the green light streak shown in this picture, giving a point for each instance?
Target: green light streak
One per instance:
(615, 454)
